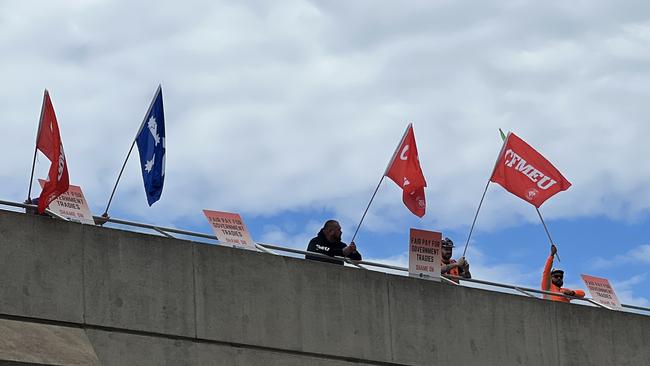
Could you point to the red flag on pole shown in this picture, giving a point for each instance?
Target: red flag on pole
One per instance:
(404, 169)
(49, 142)
(524, 172)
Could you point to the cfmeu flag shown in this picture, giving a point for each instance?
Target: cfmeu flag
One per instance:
(524, 172)
(151, 145)
(404, 169)
(49, 142)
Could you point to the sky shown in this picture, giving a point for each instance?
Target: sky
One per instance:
(288, 113)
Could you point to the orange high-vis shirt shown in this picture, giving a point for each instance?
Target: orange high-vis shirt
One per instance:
(547, 284)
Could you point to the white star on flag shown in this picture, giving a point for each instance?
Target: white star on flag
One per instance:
(149, 165)
(153, 128)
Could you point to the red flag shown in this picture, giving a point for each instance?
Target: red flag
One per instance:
(524, 172)
(48, 141)
(404, 169)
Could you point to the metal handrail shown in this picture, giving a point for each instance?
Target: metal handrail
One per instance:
(269, 248)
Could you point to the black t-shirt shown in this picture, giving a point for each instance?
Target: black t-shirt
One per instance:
(321, 245)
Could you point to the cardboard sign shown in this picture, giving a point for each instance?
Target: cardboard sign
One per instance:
(230, 228)
(72, 205)
(602, 292)
(424, 253)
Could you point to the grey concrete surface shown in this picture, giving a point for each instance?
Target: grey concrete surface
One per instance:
(147, 300)
(121, 349)
(41, 270)
(33, 343)
(139, 282)
(289, 303)
(434, 323)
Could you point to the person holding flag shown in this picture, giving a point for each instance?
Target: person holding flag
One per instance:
(48, 141)
(151, 146)
(328, 242)
(450, 266)
(553, 279)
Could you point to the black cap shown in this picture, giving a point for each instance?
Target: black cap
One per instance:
(447, 243)
(557, 270)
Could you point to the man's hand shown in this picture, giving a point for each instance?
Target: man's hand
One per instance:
(465, 264)
(352, 248)
(461, 262)
(553, 249)
(566, 291)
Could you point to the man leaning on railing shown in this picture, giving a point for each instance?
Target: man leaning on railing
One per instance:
(328, 242)
(449, 266)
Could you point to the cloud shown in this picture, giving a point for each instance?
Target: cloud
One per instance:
(288, 235)
(640, 254)
(626, 293)
(298, 105)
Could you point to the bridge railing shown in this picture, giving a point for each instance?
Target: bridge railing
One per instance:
(366, 265)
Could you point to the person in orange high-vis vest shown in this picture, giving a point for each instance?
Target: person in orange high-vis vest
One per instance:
(552, 280)
(449, 266)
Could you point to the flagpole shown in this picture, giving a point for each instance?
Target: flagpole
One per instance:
(158, 90)
(475, 216)
(105, 214)
(392, 158)
(485, 191)
(38, 134)
(31, 177)
(547, 232)
(367, 207)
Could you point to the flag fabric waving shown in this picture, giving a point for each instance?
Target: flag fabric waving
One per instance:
(404, 169)
(49, 142)
(524, 172)
(151, 145)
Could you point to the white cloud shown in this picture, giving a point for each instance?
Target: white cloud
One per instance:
(640, 254)
(289, 236)
(276, 107)
(625, 290)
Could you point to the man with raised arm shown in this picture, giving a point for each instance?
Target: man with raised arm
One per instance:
(328, 242)
(553, 279)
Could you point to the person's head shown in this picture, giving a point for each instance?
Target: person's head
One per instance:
(557, 277)
(332, 231)
(446, 249)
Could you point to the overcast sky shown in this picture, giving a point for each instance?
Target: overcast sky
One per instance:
(288, 112)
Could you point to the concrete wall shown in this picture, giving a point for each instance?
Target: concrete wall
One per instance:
(147, 300)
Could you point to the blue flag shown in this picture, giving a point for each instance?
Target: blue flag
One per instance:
(151, 145)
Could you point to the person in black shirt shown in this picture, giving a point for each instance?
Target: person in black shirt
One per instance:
(329, 242)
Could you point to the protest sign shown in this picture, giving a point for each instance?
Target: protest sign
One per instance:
(602, 292)
(72, 205)
(424, 253)
(230, 228)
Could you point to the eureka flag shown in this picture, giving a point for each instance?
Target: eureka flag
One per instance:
(151, 145)
(49, 142)
(404, 169)
(524, 172)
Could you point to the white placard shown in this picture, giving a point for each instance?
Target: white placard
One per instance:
(424, 253)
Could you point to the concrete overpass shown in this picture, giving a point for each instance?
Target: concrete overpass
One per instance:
(74, 294)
